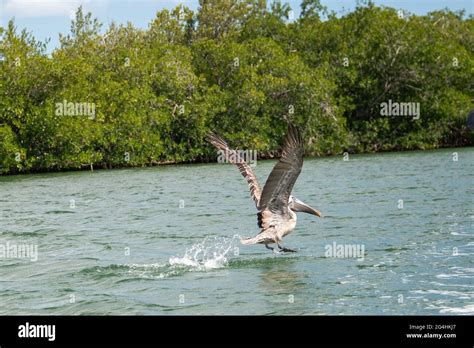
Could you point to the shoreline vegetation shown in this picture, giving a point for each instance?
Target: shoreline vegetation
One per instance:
(89, 168)
(376, 79)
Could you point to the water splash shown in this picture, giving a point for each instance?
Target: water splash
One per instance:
(211, 253)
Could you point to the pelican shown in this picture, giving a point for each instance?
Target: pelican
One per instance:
(276, 206)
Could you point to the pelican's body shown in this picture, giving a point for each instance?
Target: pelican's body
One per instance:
(276, 206)
(274, 234)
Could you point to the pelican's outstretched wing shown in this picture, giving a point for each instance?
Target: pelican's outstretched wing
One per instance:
(280, 182)
(234, 158)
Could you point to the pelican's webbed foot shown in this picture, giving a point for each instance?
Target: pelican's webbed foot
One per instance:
(286, 250)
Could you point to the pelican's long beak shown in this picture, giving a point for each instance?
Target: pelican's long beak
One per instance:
(299, 206)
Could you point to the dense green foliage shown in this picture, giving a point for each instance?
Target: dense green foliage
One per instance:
(238, 67)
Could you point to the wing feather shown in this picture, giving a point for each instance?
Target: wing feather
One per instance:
(281, 180)
(234, 157)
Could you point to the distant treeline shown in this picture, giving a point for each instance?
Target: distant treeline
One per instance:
(124, 96)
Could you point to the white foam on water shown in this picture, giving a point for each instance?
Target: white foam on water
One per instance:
(458, 294)
(151, 266)
(209, 254)
(454, 233)
(468, 309)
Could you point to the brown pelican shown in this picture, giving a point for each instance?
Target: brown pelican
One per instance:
(276, 206)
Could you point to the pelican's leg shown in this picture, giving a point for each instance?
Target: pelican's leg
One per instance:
(266, 246)
(287, 250)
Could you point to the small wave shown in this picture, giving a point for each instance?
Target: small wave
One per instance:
(154, 271)
(454, 233)
(268, 260)
(458, 294)
(23, 234)
(130, 272)
(468, 309)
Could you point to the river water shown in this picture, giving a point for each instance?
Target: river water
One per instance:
(165, 240)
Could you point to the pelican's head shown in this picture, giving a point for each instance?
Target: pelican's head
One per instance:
(298, 206)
